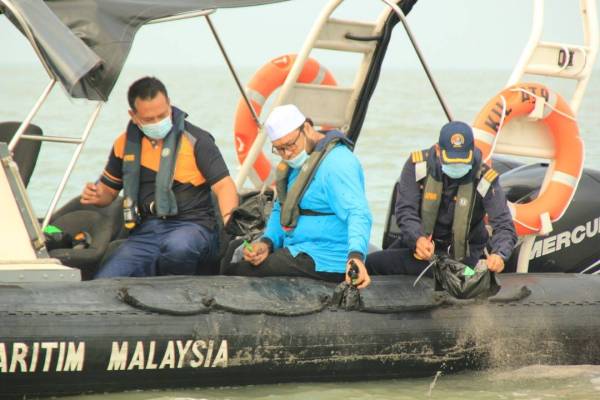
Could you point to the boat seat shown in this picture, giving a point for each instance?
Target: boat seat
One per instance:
(391, 231)
(103, 225)
(113, 213)
(26, 152)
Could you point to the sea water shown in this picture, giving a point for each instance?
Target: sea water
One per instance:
(403, 115)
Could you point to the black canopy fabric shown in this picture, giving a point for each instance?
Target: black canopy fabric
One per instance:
(85, 42)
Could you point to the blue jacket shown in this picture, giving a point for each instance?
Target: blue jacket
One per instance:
(337, 188)
(408, 214)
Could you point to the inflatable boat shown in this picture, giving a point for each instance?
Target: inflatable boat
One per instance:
(173, 332)
(61, 333)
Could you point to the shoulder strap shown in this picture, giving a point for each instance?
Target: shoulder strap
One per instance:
(431, 196)
(461, 223)
(132, 165)
(489, 175)
(281, 181)
(430, 203)
(290, 210)
(419, 158)
(465, 206)
(165, 201)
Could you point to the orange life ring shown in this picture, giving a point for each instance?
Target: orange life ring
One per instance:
(264, 82)
(560, 120)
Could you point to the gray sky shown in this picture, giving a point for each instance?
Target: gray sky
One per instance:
(458, 34)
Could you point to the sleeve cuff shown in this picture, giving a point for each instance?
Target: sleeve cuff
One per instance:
(217, 177)
(502, 256)
(410, 242)
(268, 242)
(356, 255)
(111, 183)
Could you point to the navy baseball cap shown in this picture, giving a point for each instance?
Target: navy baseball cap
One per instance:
(456, 143)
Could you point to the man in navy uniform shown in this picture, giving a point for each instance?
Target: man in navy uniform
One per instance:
(443, 196)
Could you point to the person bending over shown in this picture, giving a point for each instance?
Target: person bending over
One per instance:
(443, 195)
(321, 222)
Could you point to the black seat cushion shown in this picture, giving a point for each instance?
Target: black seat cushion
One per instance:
(26, 152)
(113, 213)
(391, 232)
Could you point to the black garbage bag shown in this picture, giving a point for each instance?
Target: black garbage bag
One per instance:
(462, 281)
(248, 220)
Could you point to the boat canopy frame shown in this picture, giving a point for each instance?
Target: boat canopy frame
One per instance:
(92, 69)
(528, 138)
(29, 226)
(90, 63)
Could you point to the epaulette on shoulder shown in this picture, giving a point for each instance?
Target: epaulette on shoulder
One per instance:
(489, 175)
(417, 156)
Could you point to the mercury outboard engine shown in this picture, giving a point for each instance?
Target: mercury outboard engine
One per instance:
(574, 243)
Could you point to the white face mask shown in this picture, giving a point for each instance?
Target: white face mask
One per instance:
(297, 161)
(158, 130)
(456, 171)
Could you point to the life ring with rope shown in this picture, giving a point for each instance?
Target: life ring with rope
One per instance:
(264, 82)
(556, 193)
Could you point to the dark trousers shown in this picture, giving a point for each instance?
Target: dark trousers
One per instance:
(162, 247)
(397, 259)
(280, 263)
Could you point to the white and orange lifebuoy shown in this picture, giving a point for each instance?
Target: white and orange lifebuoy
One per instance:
(264, 82)
(519, 101)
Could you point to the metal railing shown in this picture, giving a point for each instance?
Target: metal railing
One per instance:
(302, 56)
(79, 142)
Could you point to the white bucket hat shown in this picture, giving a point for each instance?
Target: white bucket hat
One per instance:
(283, 120)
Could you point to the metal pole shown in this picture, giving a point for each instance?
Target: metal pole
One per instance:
(230, 65)
(285, 89)
(63, 182)
(400, 14)
(537, 28)
(178, 17)
(15, 139)
(55, 139)
(525, 253)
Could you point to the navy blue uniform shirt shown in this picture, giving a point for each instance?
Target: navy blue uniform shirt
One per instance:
(408, 205)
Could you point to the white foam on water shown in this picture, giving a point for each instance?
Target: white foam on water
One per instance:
(554, 372)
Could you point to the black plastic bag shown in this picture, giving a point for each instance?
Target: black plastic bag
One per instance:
(248, 220)
(57, 238)
(462, 281)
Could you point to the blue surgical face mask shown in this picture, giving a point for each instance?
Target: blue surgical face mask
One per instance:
(158, 130)
(456, 171)
(297, 161)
